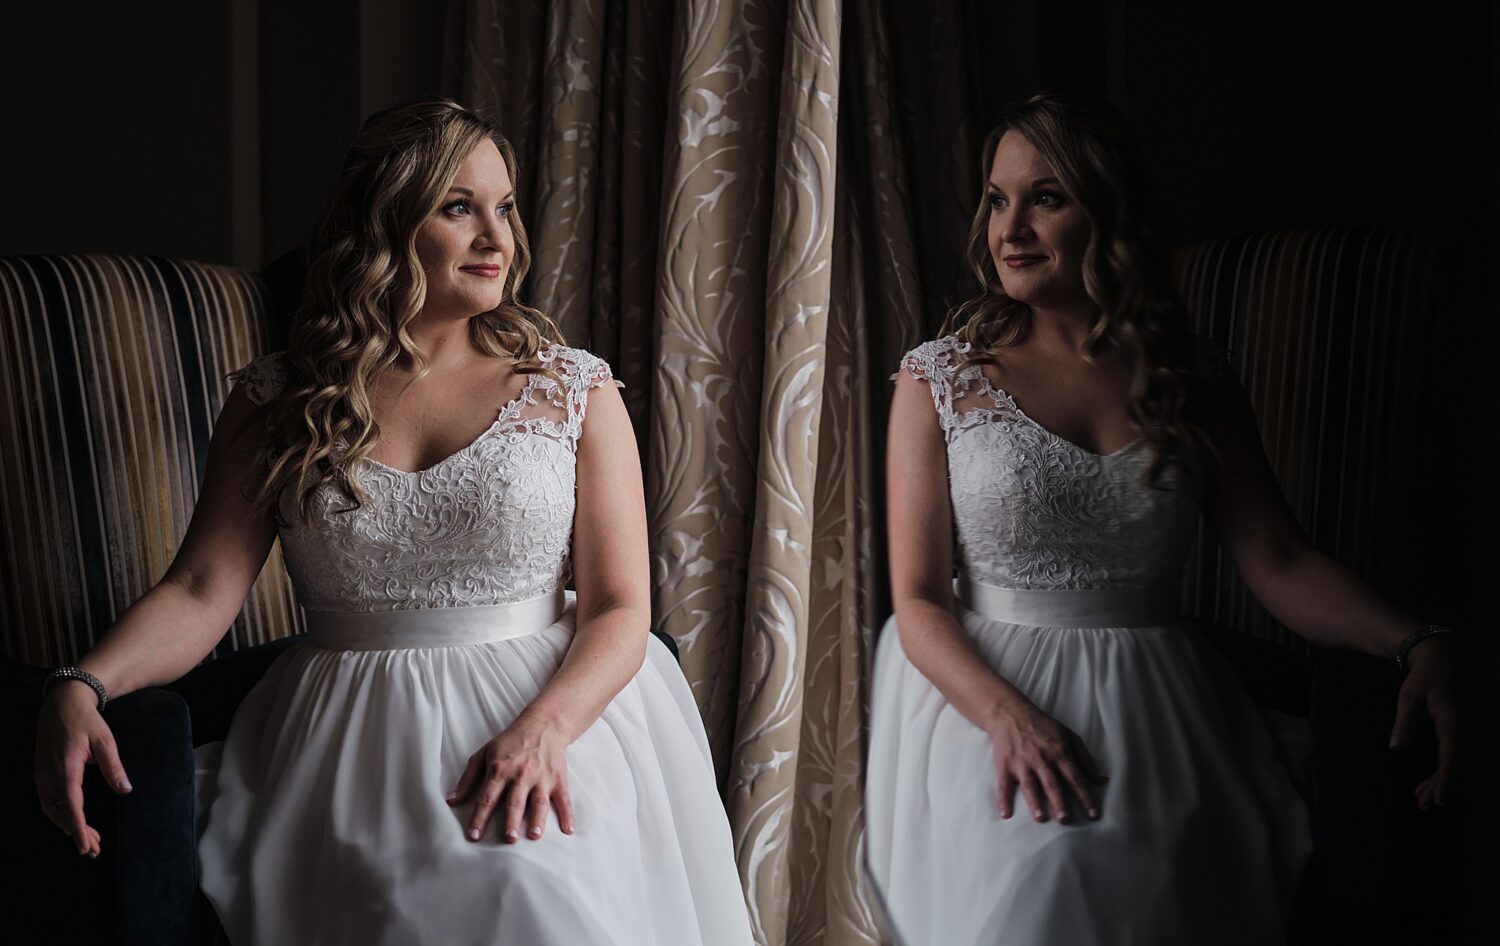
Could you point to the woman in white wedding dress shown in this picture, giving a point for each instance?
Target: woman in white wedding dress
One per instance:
(463, 752)
(1060, 439)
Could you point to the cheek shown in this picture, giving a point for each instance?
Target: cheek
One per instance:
(994, 232)
(429, 249)
(1075, 236)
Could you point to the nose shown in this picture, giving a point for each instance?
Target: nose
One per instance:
(1015, 226)
(494, 233)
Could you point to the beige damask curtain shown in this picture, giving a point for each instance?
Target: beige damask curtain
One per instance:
(720, 201)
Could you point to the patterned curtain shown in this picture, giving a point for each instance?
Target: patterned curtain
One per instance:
(732, 201)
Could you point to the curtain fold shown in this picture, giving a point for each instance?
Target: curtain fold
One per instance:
(751, 208)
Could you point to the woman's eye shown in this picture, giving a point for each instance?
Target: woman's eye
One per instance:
(1048, 199)
(505, 209)
(457, 208)
(997, 202)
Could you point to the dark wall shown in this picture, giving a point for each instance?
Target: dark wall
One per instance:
(205, 131)
(211, 130)
(1278, 115)
(325, 66)
(310, 108)
(116, 128)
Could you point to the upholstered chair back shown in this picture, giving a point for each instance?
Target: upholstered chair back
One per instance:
(112, 371)
(1331, 333)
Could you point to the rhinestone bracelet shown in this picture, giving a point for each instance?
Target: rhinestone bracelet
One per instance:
(83, 676)
(1416, 637)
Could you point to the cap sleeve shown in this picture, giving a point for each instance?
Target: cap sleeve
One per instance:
(936, 362)
(581, 372)
(263, 378)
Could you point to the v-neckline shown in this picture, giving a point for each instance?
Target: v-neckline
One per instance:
(511, 407)
(1005, 399)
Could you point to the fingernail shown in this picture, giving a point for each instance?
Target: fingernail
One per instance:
(124, 784)
(1094, 813)
(511, 835)
(1037, 814)
(93, 854)
(536, 832)
(450, 796)
(473, 834)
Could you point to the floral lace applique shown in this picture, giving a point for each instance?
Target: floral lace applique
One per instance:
(491, 524)
(1034, 511)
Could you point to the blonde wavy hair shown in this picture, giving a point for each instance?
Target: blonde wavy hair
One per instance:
(1125, 272)
(364, 287)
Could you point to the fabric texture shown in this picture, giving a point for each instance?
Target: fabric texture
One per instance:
(325, 818)
(1332, 333)
(1063, 556)
(112, 371)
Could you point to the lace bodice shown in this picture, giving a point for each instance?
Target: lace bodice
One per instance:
(1034, 511)
(491, 524)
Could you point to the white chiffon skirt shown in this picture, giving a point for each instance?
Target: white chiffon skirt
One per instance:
(1201, 838)
(325, 822)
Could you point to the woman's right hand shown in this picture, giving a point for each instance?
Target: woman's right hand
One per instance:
(70, 735)
(1046, 760)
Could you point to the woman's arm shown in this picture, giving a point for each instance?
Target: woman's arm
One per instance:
(526, 763)
(1032, 751)
(175, 624)
(1302, 587)
(1311, 593)
(611, 573)
(167, 632)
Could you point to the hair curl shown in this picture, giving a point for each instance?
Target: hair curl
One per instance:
(1125, 273)
(364, 287)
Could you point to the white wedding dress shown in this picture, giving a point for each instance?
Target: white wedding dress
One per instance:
(1070, 571)
(436, 613)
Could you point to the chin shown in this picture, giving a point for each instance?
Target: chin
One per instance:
(479, 304)
(1022, 293)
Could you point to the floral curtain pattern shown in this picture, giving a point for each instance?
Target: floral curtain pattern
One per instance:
(722, 201)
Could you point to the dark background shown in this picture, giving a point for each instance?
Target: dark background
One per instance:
(210, 130)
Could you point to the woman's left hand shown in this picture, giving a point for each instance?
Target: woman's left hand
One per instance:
(526, 768)
(1428, 689)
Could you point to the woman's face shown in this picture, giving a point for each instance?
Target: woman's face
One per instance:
(1038, 234)
(466, 245)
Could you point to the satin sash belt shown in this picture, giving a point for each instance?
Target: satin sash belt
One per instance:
(433, 627)
(1070, 607)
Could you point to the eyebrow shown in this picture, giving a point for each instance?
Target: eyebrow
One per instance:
(470, 193)
(1034, 184)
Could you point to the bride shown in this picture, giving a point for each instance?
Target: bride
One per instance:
(462, 752)
(1059, 440)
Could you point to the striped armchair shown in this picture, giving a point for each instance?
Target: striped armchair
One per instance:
(112, 371)
(1329, 331)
